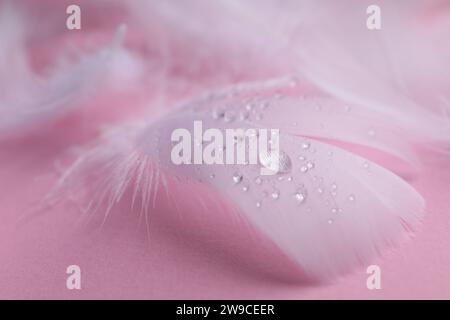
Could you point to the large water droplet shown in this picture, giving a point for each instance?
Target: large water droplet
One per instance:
(270, 162)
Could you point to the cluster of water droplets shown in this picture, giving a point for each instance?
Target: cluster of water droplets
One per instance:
(252, 109)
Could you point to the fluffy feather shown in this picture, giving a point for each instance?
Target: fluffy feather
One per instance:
(339, 213)
(349, 208)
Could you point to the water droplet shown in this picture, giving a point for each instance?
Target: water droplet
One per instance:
(301, 158)
(294, 124)
(217, 114)
(351, 197)
(305, 145)
(280, 179)
(212, 175)
(371, 133)
(366, 165)
(319, 190)
(284, 162)
(245, 188)
(264, 105)
(304, 169)
(275, 194)
(229, 116)
(258, 204)
(237, 178)
(310, 164)
(243, 115)
(258, 180)
(330, 221)
(290, 179)
(334, 210)
(300, 196)
(334, 186)
(249, 107)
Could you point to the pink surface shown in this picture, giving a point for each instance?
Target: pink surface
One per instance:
(196, 255)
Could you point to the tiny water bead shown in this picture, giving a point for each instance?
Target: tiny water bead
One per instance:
(304, 169)
(334, 210)
(258, 180)
(237, 178)
(229, 116)
(275, 194)
(330, 221)
(366, 165)
(305, 145)
(371, 133)
(245, 188)
(258, 204)
(300, 196)
(217, 114)
(290, 179)
(264, 105)
(301, 158)
(310, 164)
(351, 198)
(243, 115)
(212, 175)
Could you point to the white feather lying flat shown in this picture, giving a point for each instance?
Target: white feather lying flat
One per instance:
(338, 213)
